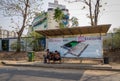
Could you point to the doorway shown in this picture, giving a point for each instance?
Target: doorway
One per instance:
(5, 45)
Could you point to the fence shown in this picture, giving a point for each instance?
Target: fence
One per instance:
(27, 44)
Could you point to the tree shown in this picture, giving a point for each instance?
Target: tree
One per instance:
(24, 9)
(58, 16)
(74, 21)
(113, 40)
(94, 7)
(107, 44)
(35, 40)
(14, 46)
(116, 38)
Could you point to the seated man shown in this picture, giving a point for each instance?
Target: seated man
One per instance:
(57, 56)
(50, 57)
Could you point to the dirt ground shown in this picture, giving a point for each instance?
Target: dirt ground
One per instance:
(114, 56)
(19, 56)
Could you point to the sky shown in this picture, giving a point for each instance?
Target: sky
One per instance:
(111, 15)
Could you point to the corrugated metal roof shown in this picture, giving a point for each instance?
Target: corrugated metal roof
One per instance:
(75, 30)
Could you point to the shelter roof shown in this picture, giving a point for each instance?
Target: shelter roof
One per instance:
(76, 30)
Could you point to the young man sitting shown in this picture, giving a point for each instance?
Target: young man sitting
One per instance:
(57, 56)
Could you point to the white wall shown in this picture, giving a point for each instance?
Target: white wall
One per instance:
(52, 24)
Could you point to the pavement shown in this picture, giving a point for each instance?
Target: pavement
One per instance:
(108, 67)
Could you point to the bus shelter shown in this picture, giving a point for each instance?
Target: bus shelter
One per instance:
(77, 42)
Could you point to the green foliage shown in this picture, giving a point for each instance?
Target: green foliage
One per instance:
(113, 42)
(74, 21)
(107, 43)
(35, 34)
(34, 41)
(61, 25)
(116, 38)
(15, 44)
(58, 16)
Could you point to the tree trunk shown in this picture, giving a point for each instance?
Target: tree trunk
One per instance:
(91, 16)
(96, 12)
(18, 44)
(23, 26)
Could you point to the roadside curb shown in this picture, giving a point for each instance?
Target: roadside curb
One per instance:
(60, 66)
(64, 66)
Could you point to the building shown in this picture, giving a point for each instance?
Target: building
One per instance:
(7, 34)
(52, 24)
(45, 20)
(40, 22)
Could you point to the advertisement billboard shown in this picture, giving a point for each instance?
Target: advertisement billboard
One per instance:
(80, 46)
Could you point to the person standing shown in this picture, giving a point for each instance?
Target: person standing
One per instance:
(46, 56)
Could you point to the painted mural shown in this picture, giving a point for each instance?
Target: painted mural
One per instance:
(40, 21)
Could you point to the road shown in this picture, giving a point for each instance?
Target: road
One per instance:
(50, 74)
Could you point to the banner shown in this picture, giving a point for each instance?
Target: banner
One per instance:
(82, 46)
